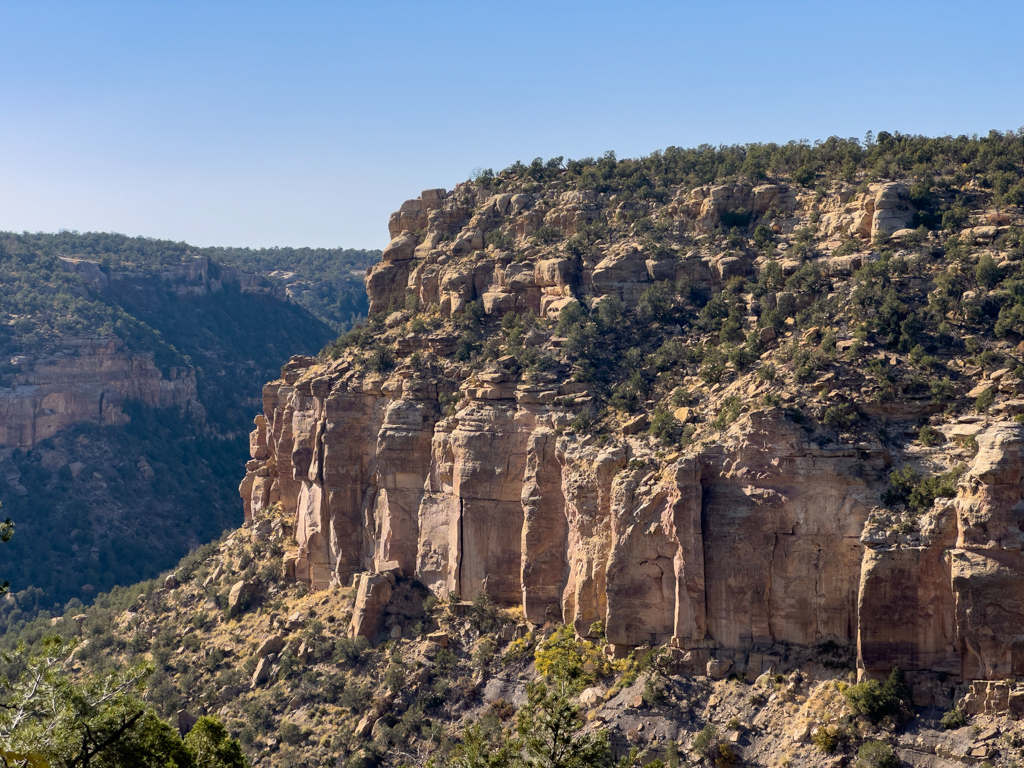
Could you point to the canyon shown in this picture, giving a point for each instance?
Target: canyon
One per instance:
(759, 538)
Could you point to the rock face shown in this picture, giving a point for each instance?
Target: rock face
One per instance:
(470, 480)
(493, 498)
(883, 209)
(86, 380)
(951, 599)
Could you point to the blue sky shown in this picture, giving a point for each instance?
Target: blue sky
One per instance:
(307, 123)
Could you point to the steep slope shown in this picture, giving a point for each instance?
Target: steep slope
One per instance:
(699, 439)
(124, 400)
(596, 405)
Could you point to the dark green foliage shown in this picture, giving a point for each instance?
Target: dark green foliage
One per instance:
(484, 615)
(483, 747)
(705, 743)
(549, 728)
(762, 236)
(876, 754)
(99, 720)
(985, 400)
(663, 423)
(890, 700)
(502, 241)
(987, 273)
(739, 217)
(210, 746)
(334, 292)
(290, 733)
(918, 493)
(349, 652)
(841, 416)
(546, 234)
(189, 498)
(732, 406)
(955, 718)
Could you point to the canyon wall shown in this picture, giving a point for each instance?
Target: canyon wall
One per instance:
(82, 379)
(86, 379)
(497, 498)
(764, 535)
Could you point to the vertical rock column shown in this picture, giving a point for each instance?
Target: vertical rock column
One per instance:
(545, 531)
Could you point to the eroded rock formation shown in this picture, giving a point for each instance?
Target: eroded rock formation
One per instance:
(86, 380)
(766, 536)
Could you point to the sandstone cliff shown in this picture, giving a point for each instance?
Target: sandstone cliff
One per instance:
(473, 475)
(86, 380)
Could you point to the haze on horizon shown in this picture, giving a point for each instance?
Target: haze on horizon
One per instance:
(261, 124)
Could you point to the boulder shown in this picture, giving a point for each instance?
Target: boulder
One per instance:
(274, 644)
(262, 672)
(239, 597)
(401, 248)
(185, 722)
(374, 592)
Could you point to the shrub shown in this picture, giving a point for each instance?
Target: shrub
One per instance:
(662, 425)
(919, 493)
(762, 236)
(381, 359)
(731, 408)
(502, 241)
(955, 718)
(564, 659)
(546, 234)
(654, 691)
(705, 743)
(290, 733)
(841, 416)
(445, 661)
(987, 273)
(824, 740)
(877, 702)
(348, 652)
(484, 654)
(484, 613)
(985, 400)
(876, 754)
(394, 677)
(928, 435)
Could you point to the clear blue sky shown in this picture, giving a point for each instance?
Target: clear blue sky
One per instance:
(307, 123)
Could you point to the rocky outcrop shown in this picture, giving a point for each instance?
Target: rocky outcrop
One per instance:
(494, 499)
(86, 380)
(949, 598)
(437, 251)
(761, 536)
(884, 208)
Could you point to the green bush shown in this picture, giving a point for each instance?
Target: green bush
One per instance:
(955, 718)
(663, 424)
(985, 400)
(577, 664)
(908, 488)
(878, 702)
(876, 754)
(732, 407)
(841, 416)
(290, 733)
(705, 743)
(483, 615)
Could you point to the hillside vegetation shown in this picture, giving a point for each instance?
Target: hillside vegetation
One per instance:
(733, 405)
(111, 522)
(326, 281)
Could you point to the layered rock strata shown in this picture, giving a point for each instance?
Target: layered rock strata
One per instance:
(86, 380)
(763, 537)
(494, 499)
(951, 599)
